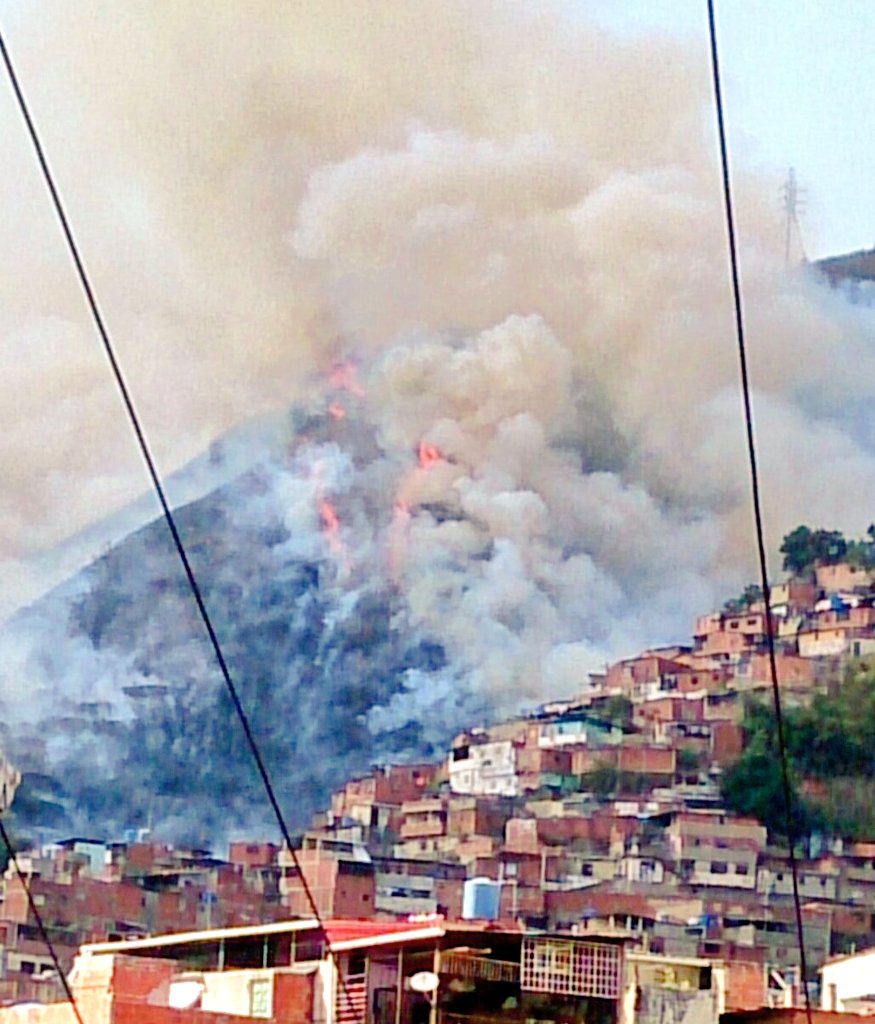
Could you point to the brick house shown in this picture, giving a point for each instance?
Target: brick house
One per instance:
(352, 972)
(716, 849)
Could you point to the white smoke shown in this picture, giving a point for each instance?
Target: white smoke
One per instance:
(511, 221)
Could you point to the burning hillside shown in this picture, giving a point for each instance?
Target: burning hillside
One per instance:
(472, 258)
(378, 580)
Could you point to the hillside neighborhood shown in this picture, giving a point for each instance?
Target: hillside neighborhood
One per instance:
(603, 818)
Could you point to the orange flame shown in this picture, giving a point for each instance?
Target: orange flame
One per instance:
(331, 527)
(429, 454)
(331, 522)
(337, 411)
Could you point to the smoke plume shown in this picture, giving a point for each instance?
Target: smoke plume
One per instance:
(478, 251)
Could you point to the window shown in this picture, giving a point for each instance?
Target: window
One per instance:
(719, 867)
(741, 869)
(27, 967)
(571, 967)
(260, 998)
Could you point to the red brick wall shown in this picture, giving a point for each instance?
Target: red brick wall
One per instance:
(521, 900)
(293, 998)
(524, 867)
(647, 760)
(354, 895)
(727, 742)
(746, 985)
(726, 643)
(791, 668)
(534, 760)
(134, 990)
(400, 783)
(253, 855)
(583, 761)
(448, 893)
(521, 834)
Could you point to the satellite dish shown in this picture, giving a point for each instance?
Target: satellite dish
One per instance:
(424, 981)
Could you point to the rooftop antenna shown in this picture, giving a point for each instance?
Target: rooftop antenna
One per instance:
(793, 201)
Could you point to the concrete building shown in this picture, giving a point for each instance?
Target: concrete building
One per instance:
(846, 982)
(10, 780)
(716, 849)
(684, 990)
(352, 972)
(479, 766)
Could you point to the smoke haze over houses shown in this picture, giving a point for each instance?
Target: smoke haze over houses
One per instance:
(492, 231)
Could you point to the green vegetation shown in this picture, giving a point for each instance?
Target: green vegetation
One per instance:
(607, 781)
(831, 761)
(804, 548)
(688, 761)
(619, 710)
(750, 595)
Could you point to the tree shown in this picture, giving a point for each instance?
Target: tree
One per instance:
(804, 548)
(750, 595)
(829, 745)
(796, 549)
(862, 552)
(619, 710)
(753, 786)
(603, 780)
(688, 761)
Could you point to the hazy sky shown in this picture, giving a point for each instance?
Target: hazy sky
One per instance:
(191, 157)
(798, 92)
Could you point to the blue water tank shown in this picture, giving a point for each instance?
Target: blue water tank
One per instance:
(481, 898)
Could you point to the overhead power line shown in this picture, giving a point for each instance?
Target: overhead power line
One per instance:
(755, 495)
(38, 918)
(195, 589)
(158, 487)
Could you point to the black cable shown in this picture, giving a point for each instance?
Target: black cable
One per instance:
(156, 483)
(757, 509)
(31, 902)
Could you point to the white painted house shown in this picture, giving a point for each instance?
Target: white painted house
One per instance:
(847, 982)
(484, 769)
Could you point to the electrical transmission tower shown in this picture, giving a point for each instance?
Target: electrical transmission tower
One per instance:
(793, 201)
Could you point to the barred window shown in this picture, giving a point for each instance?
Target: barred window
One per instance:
(571, 967)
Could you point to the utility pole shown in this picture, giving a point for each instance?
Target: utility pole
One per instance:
(793, 203)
